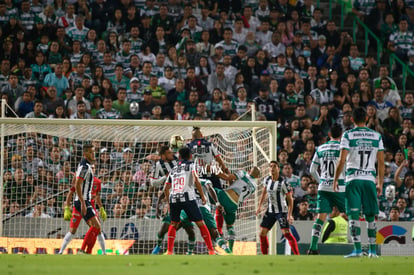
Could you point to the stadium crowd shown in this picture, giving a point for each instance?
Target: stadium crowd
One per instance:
(197, 60)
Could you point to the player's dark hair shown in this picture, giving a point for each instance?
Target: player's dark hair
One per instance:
(275, 162)
(359, 115)
(336, 130)
(87, 147)
(185, 153)
(164, 149)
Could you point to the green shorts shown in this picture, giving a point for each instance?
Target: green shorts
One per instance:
(208, 218)
(183, 217)
(326, 200)
(230, 207)
(361, 193)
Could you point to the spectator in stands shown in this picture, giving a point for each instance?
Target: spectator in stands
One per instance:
(108, 112)
(303, 213)
(37, 111)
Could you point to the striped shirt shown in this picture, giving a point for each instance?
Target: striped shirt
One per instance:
(320, 97)
(112, 114)
(181, 179)
(163, 168)
(85, 172)
(27, 19)
(109, 70)
(276, 192)
(327, 157)
(203, 151)
(362, 145)
(76, 34)
(231, 48)
(138, 96)
(402, 40)
(204, 184)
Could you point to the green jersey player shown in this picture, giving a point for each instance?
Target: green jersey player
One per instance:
(326, 159)
(242, 186)
(360, 148)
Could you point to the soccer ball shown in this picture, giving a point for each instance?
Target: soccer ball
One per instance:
(176, 142)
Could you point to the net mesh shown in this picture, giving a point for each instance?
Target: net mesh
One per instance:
(40, 160)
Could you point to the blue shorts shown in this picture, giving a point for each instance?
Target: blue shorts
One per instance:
(189, 207)
(269, 219)
(90, 212)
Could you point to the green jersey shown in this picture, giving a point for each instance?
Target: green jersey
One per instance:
(327, 157)
(362, 145)
(204, 185)
(244, 185)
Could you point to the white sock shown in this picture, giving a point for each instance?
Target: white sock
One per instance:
(101, 240)
(66, 240)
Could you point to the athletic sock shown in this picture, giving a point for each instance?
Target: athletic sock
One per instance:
(101, 240)
(92, 239)
(292, 242)
(206, 236)
(232, 237)
(264, 245)
(355, 231)
(316, 233)
(191, 244)
(160, 239)
(66, 240)
(219, 221)
(171, 238)
(222, 243)
(372, 233)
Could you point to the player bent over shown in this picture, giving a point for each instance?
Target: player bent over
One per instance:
(75, 216)
(242, 186)
(327, 157)
(361, 147)
(179, 189)
(278, 191)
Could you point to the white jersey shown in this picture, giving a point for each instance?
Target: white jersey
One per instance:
(362, 145)
(204, 184)
(204, 153)
(244, 185)
(161, 171)
(181, 178)
(276, 191)
(327, 158)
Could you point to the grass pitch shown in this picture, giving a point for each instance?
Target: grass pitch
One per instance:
(195, 265)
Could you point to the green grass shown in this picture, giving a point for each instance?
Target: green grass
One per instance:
(195, 265)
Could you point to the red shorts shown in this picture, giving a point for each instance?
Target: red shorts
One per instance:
(76, 218)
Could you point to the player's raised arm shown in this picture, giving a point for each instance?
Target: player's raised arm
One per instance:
(227, 176)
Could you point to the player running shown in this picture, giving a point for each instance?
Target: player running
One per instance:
(360, 148)
(327, 157)
(242, 186)
(205, 154)
(179, 189)
(162, 169)
(75, 216)
(278, 191)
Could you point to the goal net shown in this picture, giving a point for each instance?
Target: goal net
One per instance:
(39, 158)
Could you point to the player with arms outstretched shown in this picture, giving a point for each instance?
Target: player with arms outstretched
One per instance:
(242, 185)
(205, 154)
(75, 217)
(179, 189)
(278, 191)
(361, 147)
(326, 157)
(162, 169)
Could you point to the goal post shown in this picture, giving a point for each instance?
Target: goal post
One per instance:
(47, 151)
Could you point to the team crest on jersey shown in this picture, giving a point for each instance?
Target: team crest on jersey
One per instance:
(74, 220)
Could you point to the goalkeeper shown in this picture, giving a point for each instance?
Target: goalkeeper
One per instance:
(75, 217)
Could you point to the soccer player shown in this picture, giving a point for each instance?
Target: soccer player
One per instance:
(206, 154)
(360, 148)
(327, 157)
(179, 189)
(83, 187)
(279, 192)
(243, 185)
(75, 219)
(162, 169)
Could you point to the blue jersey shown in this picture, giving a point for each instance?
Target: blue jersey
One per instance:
(85, 172)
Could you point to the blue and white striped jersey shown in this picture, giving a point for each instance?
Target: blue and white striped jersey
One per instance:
(84, 171)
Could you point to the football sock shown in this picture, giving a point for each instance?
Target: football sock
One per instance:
(316, 233)
(101, 240)
(222, 243)
(232, 237)
(264, 245)
(219, 220)
(171, 238)
(206, 236)
(292, 242)
(355, 231)
(92, 239)
(66, 240)
(191, 244)
(372, 232)
(160, 239)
